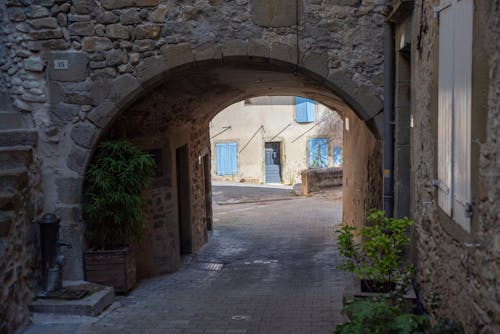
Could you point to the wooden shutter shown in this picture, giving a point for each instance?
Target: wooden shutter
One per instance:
(445, 108)
(311, 110)
(463, 10)
(227, 163)
(300, 109)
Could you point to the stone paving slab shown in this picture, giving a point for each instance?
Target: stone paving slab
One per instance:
(279, 276)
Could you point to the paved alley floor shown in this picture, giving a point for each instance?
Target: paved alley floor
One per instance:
(278, 275)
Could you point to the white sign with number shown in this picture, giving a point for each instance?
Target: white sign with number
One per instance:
(61, 64)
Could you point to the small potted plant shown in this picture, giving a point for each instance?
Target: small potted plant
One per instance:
(378, 259)
(114, 212)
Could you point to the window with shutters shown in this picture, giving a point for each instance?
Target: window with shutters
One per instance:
(318, 152)
(305, 110)
(454, 109)
(227, 162)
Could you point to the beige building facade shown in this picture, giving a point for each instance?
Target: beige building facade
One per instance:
(271, 139)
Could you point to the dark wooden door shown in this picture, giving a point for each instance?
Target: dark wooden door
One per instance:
(184, 199)
(208, 192)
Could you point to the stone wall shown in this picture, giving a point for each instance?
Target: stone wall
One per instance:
(362, 169)
(160, 250)
(74, 66)
(461, 267)
(318, 179)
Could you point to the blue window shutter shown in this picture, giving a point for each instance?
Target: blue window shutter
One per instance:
(305, 110)
(311, 110)
(318, 152)
(232, 148)
(337, 156)
(226, 158)
(300, 109)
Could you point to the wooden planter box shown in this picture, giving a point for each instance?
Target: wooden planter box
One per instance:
(114, 268)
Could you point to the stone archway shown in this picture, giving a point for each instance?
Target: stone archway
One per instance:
(173, 107)
(70, 67)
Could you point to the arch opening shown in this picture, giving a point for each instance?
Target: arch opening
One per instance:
(173, 110)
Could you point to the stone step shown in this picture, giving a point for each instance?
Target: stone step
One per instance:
(18, 137)
(6, 220)
(9, 199)
(12, 120)
(16, 178)
(16, 156)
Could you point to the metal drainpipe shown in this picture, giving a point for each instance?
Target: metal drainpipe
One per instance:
(388, 119)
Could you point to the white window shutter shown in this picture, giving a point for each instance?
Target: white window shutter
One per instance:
(445, 109)
(462, 112)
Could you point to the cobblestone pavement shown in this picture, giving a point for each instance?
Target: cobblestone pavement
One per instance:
(278, 276)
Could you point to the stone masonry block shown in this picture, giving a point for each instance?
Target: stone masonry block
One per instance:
(316, 63)
(258, 48)
(117, 31)
(116, 4)
(76, 69)
(124, 89)
(176, 55)
(147, 31)
(208, 51)
(77, 160)
(102, 115)
(69, 189)
(274, 13)
(84, 135)
(146, 3)
(283, 52)
(150, 70)
(235, 48)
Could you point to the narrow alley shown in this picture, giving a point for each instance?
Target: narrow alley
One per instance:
(269, 267)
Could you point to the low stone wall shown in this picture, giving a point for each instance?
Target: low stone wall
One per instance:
(317, 179)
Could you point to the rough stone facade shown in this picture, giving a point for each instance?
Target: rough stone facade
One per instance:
(72, 68)
(461, 267)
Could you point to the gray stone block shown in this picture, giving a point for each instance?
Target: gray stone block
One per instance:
(91, 305)
(61, 114)
(44, 23)
(274, 13)
(34, 64)
(150, 70)
(96, 44)
(76, 66)
(103, 114)
(69, 189)
(84, 135)
(117, 31)
(77, 160)
(124, 89)
(18, 137)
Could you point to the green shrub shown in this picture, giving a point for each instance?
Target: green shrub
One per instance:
(380, 254)
(113, 211)
(377, 316)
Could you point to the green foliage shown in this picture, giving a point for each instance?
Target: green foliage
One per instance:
(379, 257)
(379, 316)
(113, 211)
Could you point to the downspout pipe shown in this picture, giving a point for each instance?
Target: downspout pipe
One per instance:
(389, 119)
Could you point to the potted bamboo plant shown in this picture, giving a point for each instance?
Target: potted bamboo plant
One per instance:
(114, 212)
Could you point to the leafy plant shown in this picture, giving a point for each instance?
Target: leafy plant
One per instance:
(377, 316)
(113, 211)
(380, 254)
